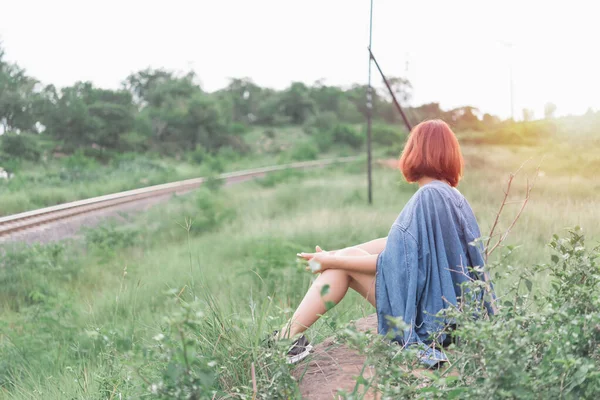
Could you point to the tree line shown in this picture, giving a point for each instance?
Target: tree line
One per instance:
(168, 112)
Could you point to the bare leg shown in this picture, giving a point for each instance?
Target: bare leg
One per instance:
(313, 305)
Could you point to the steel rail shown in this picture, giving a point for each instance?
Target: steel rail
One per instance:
(29, 219)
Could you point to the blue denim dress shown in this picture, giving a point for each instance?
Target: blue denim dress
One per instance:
(428, 252)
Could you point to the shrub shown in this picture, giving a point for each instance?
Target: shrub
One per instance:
(345, 134)
(322, 122)
(108, 238)
(228, 153)
(79, 161)
(323, 139)
(198, 155)
(387, 136)
(237, 129)
(183, 373)
(29, 275)
(272, 179)
(23, 145)
(133, 141)
(209, 212)
(305, 151)
(542, 344)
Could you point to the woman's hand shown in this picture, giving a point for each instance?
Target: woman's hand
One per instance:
(318, 261)
(308, 256)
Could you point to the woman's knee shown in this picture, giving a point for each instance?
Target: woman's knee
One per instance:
(352, 252)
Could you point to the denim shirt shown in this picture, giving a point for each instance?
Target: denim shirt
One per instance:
(426, 258)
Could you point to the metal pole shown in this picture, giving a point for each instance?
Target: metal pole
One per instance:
(370, 110)
(406, 123)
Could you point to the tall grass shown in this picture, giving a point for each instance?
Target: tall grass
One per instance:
(182, 298)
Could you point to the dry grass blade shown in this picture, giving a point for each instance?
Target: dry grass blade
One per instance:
(530, 185)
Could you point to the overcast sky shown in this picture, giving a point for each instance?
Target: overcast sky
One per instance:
(453, 52)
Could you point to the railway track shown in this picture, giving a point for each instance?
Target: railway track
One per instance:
(27, 220)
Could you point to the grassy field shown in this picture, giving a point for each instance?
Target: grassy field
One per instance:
(184, 294)
(62, 179)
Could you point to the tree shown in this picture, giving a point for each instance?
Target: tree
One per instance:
(527, 114)
(245, 97)
(82, 115)
(296, 103)
(402, 88)
(140, 83)
(428, 111)
(489, 119)
(549, 110)
(20, 146)
(17, 98)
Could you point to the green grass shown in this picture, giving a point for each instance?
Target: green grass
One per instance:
(78, 320)
(59, 180)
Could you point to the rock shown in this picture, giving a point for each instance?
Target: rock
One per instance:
(334, 366)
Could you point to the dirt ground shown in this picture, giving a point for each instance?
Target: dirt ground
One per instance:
(334, 366)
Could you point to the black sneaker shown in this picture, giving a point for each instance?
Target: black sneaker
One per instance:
(298, 351)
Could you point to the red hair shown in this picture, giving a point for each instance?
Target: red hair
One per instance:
(432, 150)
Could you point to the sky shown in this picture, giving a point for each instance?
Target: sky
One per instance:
(457, 52)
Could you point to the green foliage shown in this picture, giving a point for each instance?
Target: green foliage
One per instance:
(346, 134)
(321, 122)
(527, 133)
(109, 238)
(208, 211)
(183, 372)
(305, 151)
(199, 155)
(387, 136)
(21, 146)
(324, 140)
(272, 179)
(170, 113)
(540, 344)
(296, 103)
(237, 129)
(79, 161)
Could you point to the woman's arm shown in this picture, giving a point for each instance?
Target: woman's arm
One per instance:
(364, 264)
(375, 246)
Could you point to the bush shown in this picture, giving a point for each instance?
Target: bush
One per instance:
(323, 140)
(133, 141)
(209, 212)
(198, 155)
(23, 145)
(387, 136)
(79, 161)
(345, 134)
(237, 144)
(108, 238)
(228, 153)
(272, 179)
(32, 275)
(540, 344)
(237, 129)
(321, 122)
(183, 372)
(305, 151)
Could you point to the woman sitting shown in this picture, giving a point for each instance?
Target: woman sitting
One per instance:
(416, 271)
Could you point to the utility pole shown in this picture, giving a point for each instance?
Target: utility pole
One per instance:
(370, 111)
